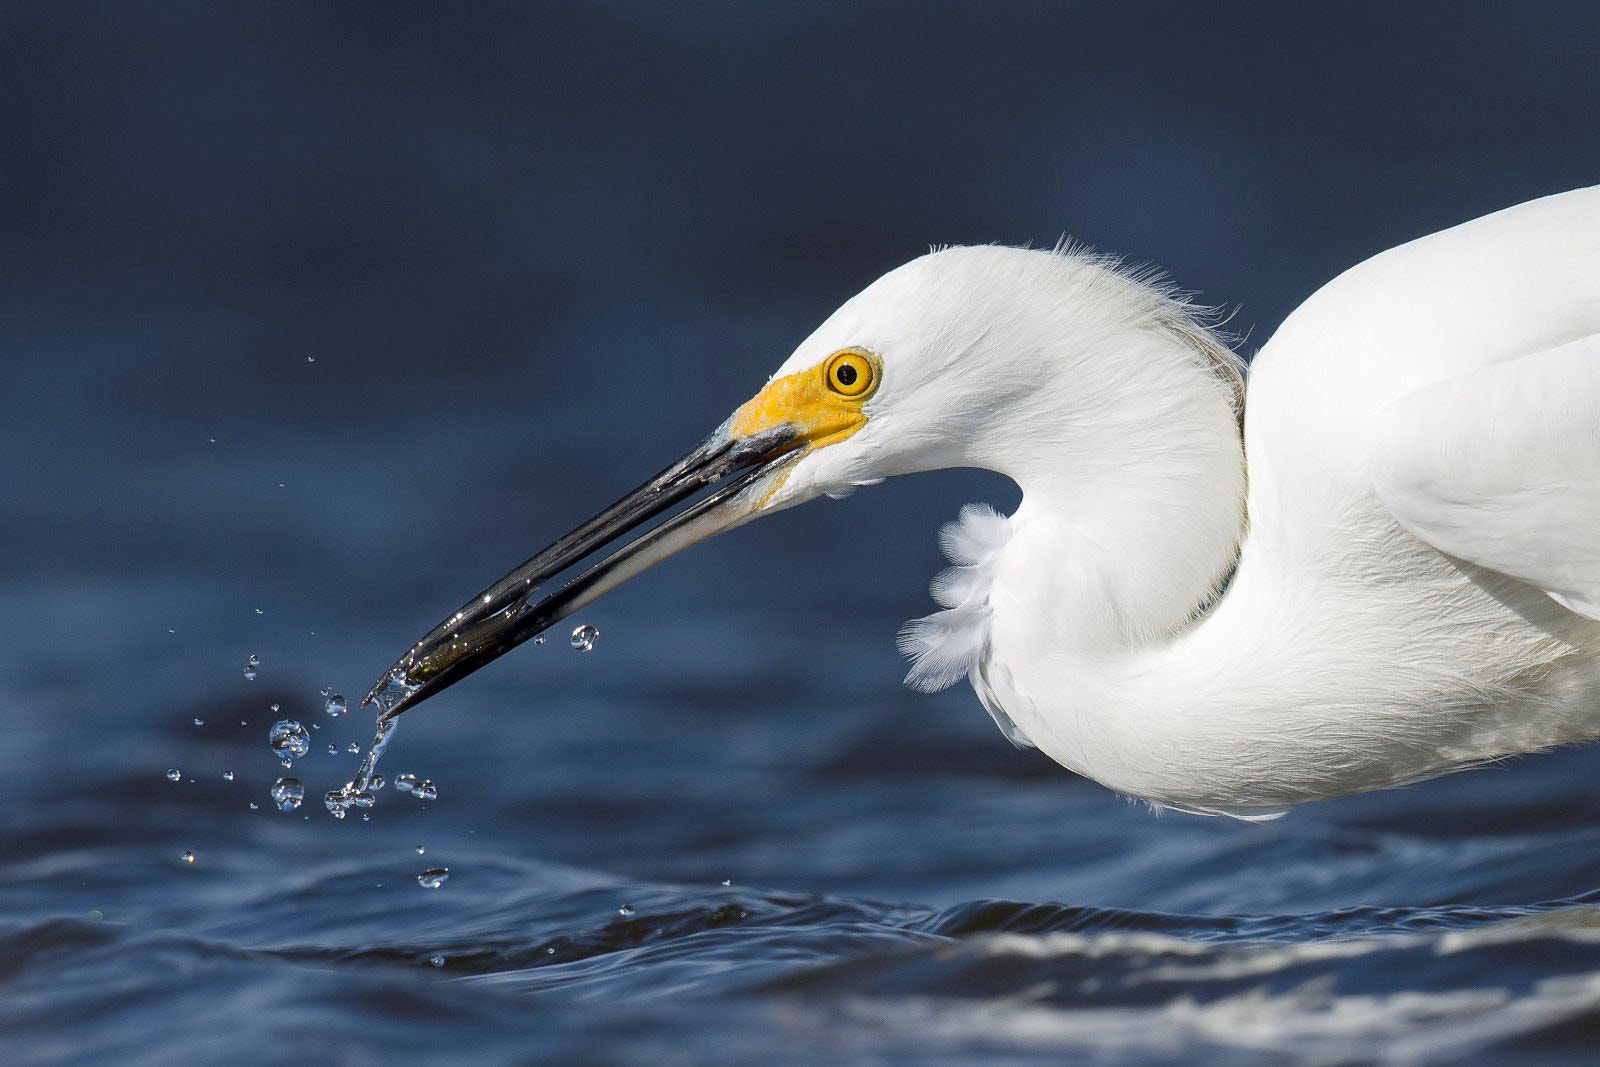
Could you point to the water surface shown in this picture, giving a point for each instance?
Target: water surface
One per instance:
(315, 321)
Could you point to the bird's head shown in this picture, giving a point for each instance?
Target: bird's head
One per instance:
(926, 368)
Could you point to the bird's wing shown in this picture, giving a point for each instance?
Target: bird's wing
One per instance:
(1501, 467)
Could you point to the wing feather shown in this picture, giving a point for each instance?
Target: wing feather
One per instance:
(1501, 467)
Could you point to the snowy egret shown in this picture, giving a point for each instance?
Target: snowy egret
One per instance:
(1385, 567)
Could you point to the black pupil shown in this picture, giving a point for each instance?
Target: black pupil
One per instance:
(846, 374)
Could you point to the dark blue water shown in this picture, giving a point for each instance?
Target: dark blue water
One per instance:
(315, 319)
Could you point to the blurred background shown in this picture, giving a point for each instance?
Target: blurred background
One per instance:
(317, 317)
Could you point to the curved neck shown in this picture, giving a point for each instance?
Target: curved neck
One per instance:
(1124, 535)
(1128, 527)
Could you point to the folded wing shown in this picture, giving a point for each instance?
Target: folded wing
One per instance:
(1501, 467)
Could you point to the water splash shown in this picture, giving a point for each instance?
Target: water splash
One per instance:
(357, 792)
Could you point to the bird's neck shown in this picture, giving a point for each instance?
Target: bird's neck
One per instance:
(1128, 529)
(1122, 539)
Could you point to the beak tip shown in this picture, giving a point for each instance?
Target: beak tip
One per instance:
(393, 693)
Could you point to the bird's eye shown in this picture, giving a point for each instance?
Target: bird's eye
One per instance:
(850, 374)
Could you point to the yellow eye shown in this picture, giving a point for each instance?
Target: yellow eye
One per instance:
(850, 374)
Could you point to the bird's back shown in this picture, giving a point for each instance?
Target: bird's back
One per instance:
(1395, 646)
(1484, 292)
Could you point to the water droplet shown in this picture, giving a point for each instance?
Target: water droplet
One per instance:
(335, 705)
(213, 440)
(187, 857)
(174, 775)
(170, 630)
(199, 722)
(726, 882)
(583, 638)
(254, 806)
(227, 776)
(96, 913)
(327, 690)
(405, 783)
(333, 749)
(250, 666)
(366, 816)
(288, 739)
(311, 359)
(549, 950)
(436, 960)
(433, 877)
(539, 640)
(420, 850)
(625, 911)
(355, 748)
(426, 790)
(275, 707)
(259, 611)
(375, 783)
(337, 802)
(287, 793)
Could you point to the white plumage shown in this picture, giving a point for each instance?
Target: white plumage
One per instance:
(1378, 564)
(1413, 540)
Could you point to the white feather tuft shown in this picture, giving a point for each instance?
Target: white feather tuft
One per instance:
(945, 647)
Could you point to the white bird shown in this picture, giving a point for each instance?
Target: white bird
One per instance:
(1379, 563)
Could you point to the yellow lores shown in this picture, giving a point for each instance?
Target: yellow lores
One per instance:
(822, 402)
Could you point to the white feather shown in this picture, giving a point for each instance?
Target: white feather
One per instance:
(1373, 632)
(945, 646)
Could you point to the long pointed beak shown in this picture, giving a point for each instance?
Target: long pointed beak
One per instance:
(735, 473)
